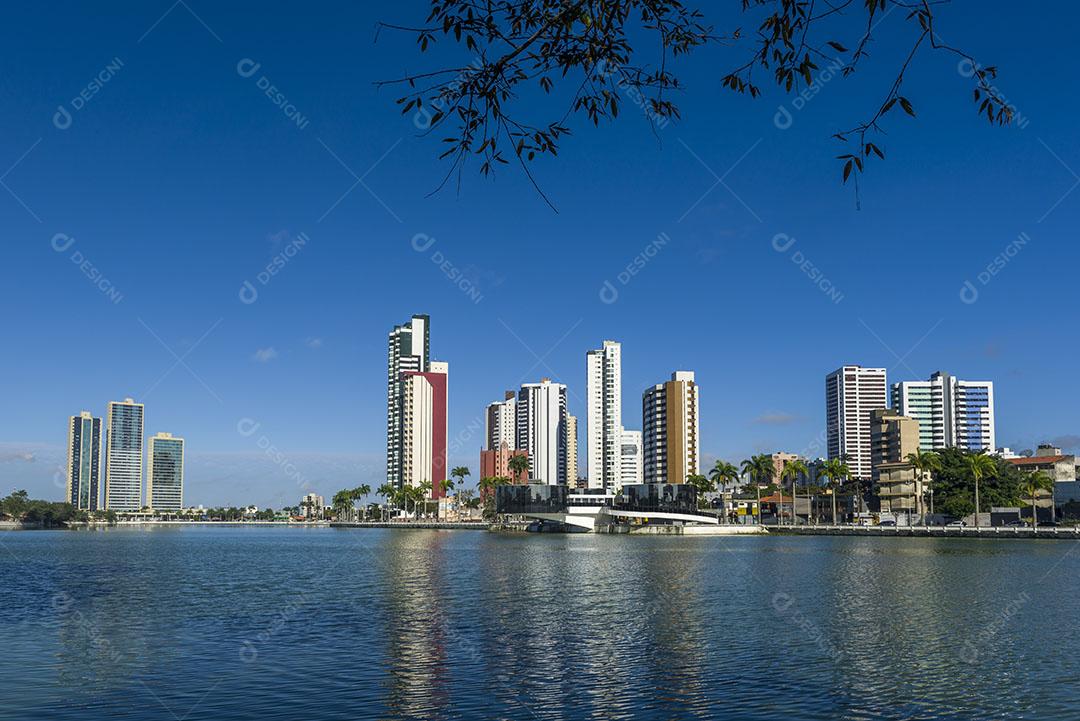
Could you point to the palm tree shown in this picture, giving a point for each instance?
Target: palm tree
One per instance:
(792, 471)
(358, 493)
(703, 485)
(518, 464)
(923, 462)
(836, 470)
(722, 474)
(459, 473)
(979, 466)
(387, 491)
(342, 501)
(759, 468)
(1032, 483)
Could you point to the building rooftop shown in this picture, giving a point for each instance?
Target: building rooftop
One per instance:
(1033, 460)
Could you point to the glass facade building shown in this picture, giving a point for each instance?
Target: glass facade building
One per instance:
(124, 456)
(84, 462)
(165, 473)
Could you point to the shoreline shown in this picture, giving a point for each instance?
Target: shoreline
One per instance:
(1047, 532)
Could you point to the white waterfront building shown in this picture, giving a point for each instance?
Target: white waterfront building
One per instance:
(542, 430)
(851, 393)
(630, 459)
(952, 413)
(603, 382)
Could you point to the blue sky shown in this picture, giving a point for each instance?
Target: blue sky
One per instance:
(180, 179)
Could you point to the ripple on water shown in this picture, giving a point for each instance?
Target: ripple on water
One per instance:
(210, 623)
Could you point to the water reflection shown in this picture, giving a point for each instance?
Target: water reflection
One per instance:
(439, 625)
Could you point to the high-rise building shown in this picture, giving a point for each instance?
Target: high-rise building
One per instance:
(851, 392)
(571, 451)
(541, 430)
(165, 473)
(84, 461)
(423, 427)
(951, 412)
(892, 438)
(408, 350)
(630, 459)
(603, 383)
(500, 423)
(669, 412)
(124, 456)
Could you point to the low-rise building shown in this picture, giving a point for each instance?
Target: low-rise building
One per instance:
(496, 463)
(899, 488)
(1062, 469)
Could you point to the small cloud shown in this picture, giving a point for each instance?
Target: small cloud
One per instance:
(265, 355)
(708, 255)
(777, 418)
(1068, 442)
(15, 456)
(314, 343)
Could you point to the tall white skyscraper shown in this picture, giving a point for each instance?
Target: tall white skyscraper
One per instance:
(165, 473)
(669, 413)
(408, 350)
(851, 393)
(603, 382)
(423, 427)
(951, 412)
(84, 461)
(417, 416)
(500, 424)
(542, 430)
(630, 459)
(124, 456)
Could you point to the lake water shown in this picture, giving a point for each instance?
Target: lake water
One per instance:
(290, 623)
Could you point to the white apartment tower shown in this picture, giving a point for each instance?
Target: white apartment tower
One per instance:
(408, 349)
(124, 456)
(669, 416)
(500, 424)
(542, 430)
(630, 459)
(165, 473)
(603, 384)
(417, 416)
(851, 393)
(952, 413)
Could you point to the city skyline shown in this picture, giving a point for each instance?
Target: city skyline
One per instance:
(850, 390)
(284, 276)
